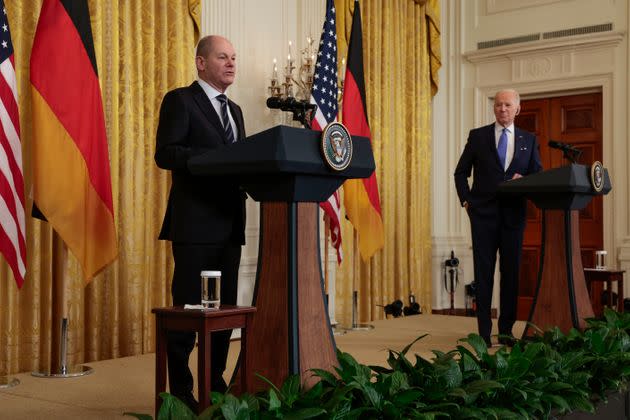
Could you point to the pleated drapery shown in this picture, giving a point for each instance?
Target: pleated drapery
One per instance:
(143, 49)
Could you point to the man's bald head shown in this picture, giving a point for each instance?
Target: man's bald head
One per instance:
(204, 46)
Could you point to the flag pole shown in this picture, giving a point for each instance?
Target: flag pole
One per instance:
(356, 326)
(58, 360)
(326, 229)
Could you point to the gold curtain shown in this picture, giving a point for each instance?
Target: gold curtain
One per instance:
(401, 55)
(143, 49)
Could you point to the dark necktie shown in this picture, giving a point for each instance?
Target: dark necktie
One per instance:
(502, 147)
(227, 127)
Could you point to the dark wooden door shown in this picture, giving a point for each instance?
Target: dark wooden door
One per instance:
(577, 120)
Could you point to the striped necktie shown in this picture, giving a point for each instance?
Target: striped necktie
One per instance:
(227, 127)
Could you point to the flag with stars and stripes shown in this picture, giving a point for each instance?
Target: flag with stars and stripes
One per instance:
(12, 221)
(324, 94)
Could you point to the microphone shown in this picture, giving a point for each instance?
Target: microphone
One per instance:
(565, 147)
(303, 111)
(290, 104)
(274, 102)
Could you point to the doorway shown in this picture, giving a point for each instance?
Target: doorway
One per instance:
(576, 120)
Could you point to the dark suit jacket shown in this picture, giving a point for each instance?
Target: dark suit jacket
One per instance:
(480, 155)
(208, 210)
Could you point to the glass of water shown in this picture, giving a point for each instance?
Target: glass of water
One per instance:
(211, 289)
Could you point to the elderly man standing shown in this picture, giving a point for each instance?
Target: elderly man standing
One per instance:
(205, 216)
(496, 153)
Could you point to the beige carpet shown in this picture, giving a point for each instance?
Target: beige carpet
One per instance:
(127, 384)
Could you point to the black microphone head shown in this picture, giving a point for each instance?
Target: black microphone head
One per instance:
(288, 104)
(555, 144)
(274, 102)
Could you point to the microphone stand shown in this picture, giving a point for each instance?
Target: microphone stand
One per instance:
(569, 152)
(303, 111)
(572, 155)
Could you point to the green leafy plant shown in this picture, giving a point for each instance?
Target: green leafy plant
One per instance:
(542, 377)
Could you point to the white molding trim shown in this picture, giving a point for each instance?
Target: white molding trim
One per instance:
(502, 6)
(572, 43)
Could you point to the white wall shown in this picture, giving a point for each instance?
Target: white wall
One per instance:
(470, 77)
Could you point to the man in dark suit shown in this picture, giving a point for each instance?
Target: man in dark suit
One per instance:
(205, 216)
(497, 153)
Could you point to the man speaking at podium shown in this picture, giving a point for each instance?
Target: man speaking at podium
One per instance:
(205, 216)
(497, 152)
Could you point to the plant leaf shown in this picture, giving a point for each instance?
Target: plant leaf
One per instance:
(274, 401)
(408, 346)
(174, 408)
(304, 413)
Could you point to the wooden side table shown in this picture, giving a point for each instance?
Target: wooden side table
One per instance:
(176, 318)
(594, 276)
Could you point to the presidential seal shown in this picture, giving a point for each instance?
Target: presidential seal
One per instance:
(597, 176)
(336, 146)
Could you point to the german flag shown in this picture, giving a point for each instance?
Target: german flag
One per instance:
(71, 175)
(361, 198)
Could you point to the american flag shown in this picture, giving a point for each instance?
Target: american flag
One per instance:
(324, 94)
(12, 226)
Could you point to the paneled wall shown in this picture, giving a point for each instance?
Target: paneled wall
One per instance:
(541, 48)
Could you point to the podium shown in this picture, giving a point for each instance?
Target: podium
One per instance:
(283, 169)
(561, 298)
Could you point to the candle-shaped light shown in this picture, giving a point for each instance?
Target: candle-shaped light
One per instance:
(275, 69)
(289, 56)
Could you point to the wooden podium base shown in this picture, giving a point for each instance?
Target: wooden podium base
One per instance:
(561, 295)
(290, 332)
